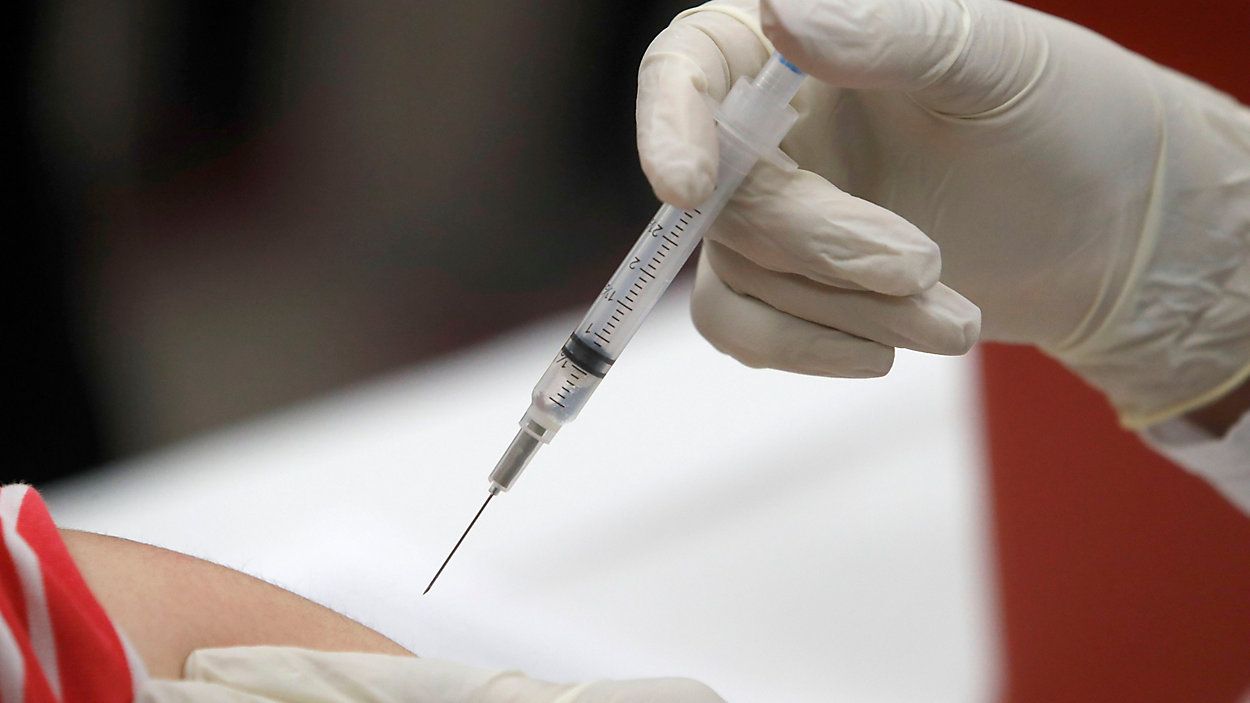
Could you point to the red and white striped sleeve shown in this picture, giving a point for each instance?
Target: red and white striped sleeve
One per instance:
(57, 645)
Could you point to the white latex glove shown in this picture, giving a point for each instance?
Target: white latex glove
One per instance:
(290, 675)
(1089, 201)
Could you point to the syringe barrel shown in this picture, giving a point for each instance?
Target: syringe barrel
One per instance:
(667, 242)
(751, 122)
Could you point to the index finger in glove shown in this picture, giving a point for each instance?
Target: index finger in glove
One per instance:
(290, 674)
(670, 690)
(165, 691)
(295, 674)
(698, 56)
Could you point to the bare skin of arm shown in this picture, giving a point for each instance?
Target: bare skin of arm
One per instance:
(170, 604)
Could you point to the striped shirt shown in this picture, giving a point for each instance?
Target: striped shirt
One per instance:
(57, 645)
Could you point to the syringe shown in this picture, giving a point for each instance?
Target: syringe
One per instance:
(751, 122)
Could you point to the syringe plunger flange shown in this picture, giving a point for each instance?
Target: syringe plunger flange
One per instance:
(758, 112)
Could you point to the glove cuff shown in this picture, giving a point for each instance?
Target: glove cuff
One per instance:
(1178, 336)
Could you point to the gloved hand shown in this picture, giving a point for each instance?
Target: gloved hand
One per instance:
(1089, 201)
(290, 675)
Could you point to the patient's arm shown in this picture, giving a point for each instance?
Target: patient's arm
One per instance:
(170, 604)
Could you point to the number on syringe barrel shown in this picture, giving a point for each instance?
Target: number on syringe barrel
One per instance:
(654, 248)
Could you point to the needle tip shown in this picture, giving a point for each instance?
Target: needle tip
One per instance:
(453, 549)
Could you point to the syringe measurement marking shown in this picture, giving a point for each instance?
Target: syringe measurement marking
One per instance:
(670, 241)
(568, 386)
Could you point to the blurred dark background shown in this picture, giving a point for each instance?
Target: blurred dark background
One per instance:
(222, 208)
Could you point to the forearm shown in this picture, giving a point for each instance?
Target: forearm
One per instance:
(170, 604)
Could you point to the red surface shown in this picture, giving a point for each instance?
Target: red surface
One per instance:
(1122, 578)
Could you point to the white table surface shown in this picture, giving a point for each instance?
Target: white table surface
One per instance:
(778, 537)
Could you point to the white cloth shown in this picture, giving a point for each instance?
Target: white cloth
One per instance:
(1224, 461)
